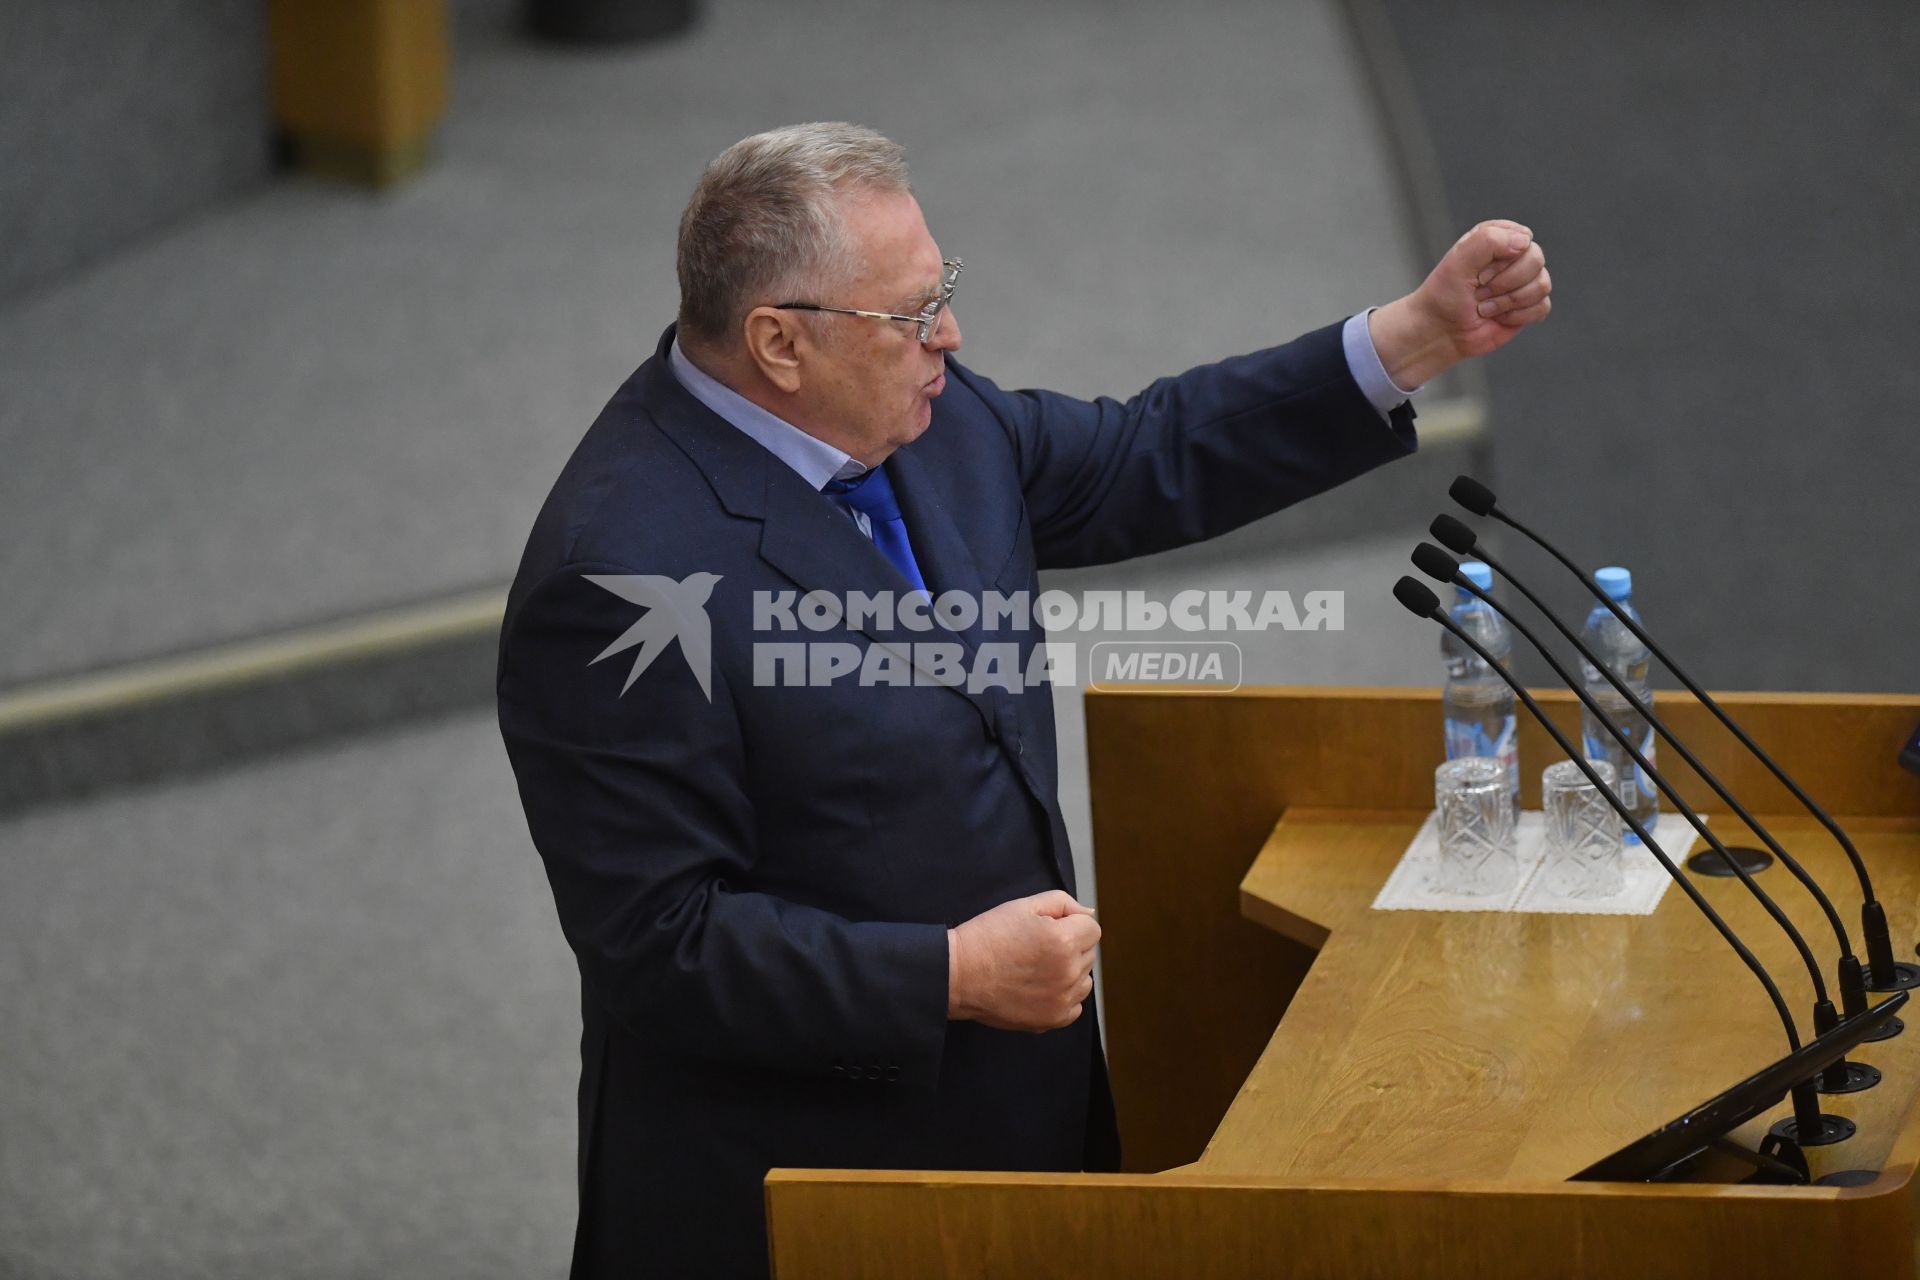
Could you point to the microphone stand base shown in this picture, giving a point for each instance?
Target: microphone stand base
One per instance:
(1859, 1076)
(1832, 1129)
(1906, 976)
(1893, 1028)
(1708, 862)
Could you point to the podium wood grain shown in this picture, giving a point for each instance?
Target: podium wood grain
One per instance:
(1524, 1047)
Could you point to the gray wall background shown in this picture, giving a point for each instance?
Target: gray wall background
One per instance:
(1724, 400)
(123, 116)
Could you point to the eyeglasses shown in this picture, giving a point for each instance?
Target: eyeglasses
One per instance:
(929, 315)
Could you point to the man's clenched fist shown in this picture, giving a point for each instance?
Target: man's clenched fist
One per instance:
(1026, 965)
(1490, 285)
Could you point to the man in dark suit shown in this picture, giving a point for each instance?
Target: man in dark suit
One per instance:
(810, 857)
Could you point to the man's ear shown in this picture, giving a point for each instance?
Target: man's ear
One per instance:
(773, 339)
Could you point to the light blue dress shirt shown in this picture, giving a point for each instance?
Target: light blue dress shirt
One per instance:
(818, 462)
(815, 459)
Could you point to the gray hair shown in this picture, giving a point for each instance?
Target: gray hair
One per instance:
(764, 223)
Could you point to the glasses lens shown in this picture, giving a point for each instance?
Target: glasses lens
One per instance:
(930, 317)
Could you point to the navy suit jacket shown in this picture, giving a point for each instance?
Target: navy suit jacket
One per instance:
(757, 880)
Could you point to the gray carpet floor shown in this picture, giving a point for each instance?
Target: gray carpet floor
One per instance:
(312, 1018)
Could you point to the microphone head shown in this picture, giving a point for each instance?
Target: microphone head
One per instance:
(1472, 495)
(1435, 563)
(1413, 594)
(1452, 534)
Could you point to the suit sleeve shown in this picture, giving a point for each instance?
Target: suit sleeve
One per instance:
(1192, 456)
(637, 804)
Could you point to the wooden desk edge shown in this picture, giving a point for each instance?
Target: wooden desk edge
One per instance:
(1270, 912)
(1271, 915)
(861, 1224)
(1893, 1182)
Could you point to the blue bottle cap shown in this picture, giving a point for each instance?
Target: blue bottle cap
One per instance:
(1615, 581)
(1478, 574)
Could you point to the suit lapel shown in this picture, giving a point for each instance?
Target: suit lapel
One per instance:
(943, 557)
(948, 564)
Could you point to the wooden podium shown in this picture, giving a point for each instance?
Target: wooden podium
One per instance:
(1311, 1088)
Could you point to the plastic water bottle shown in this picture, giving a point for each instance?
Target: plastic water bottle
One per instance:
(1626, 657)
(1479, 705)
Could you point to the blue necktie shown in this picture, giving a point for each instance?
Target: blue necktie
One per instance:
(871, 494)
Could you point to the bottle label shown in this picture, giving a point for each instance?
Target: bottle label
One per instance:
(1649, 794)
(1642, 798)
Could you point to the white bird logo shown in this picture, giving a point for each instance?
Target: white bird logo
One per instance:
(673, 609)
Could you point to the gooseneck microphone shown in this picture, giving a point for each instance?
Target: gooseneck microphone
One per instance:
(1842, 1077)
(1884, 972)
(1853, 986)
(1814, 1128)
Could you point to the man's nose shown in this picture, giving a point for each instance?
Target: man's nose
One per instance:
(946, 332)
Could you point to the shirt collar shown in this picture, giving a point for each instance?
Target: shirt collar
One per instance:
(814, 459)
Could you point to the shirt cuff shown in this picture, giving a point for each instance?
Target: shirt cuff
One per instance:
(1364, 363)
